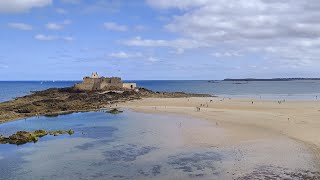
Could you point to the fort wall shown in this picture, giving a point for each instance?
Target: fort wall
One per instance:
(101, 83)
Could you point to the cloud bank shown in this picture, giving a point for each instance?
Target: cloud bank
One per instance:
(18, 6)
(282, 31)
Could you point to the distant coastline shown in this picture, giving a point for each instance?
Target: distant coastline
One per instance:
(272, 79)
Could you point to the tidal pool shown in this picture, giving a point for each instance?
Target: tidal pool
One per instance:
(135, 145)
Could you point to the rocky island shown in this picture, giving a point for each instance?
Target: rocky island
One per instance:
(93, 94)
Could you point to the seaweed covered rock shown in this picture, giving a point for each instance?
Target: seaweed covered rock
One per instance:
(40, 133)
(58, 132)
(114, 111)
(23, 137)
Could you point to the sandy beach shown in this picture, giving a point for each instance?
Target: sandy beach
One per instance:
(242, 120)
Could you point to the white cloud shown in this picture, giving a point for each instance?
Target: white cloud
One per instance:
(125, 55)
(152, 59)
(181, 4)
(140, 28)
(57, 26)
(178, 44)
(61, 11)
(110, 6)
(54, 26)
(42, 37)
(20, 26)
(226, 54)
(287, 31)
(68, 38)
(71, 1)
(17, 6)
(114, 27)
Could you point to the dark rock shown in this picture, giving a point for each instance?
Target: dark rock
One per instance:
(114, 111)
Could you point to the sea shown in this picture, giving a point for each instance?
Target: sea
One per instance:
(135, 145)
(270, 90)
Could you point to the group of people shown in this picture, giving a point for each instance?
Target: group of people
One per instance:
(202, 105)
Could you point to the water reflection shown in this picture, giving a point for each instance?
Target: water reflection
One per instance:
(195, 164)
(128, 152)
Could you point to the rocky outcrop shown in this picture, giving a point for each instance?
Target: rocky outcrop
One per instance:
(55, 101)
(114, 111)
(23, 137)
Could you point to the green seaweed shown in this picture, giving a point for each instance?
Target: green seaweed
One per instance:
(40, 133)
(58, 132)
(70, 131)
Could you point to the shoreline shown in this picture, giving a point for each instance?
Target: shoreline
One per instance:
(243, 120)
(57, 101)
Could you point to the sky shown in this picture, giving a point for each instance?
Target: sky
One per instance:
(159, 39)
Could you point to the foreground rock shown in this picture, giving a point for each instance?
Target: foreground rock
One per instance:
(56, 101)
(58, 132)
(23, 137)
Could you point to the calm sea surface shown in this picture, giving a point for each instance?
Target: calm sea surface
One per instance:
(296, 90)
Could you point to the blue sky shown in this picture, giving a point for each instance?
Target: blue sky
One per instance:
(159, 39)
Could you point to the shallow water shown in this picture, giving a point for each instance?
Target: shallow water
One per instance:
(141, 146)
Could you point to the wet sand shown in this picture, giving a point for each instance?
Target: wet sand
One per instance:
(244, 122)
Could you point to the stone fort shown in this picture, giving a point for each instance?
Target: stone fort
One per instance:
(95, 83)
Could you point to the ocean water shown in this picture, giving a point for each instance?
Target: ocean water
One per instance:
(135, 145)
(275, 90)
(12, 89)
